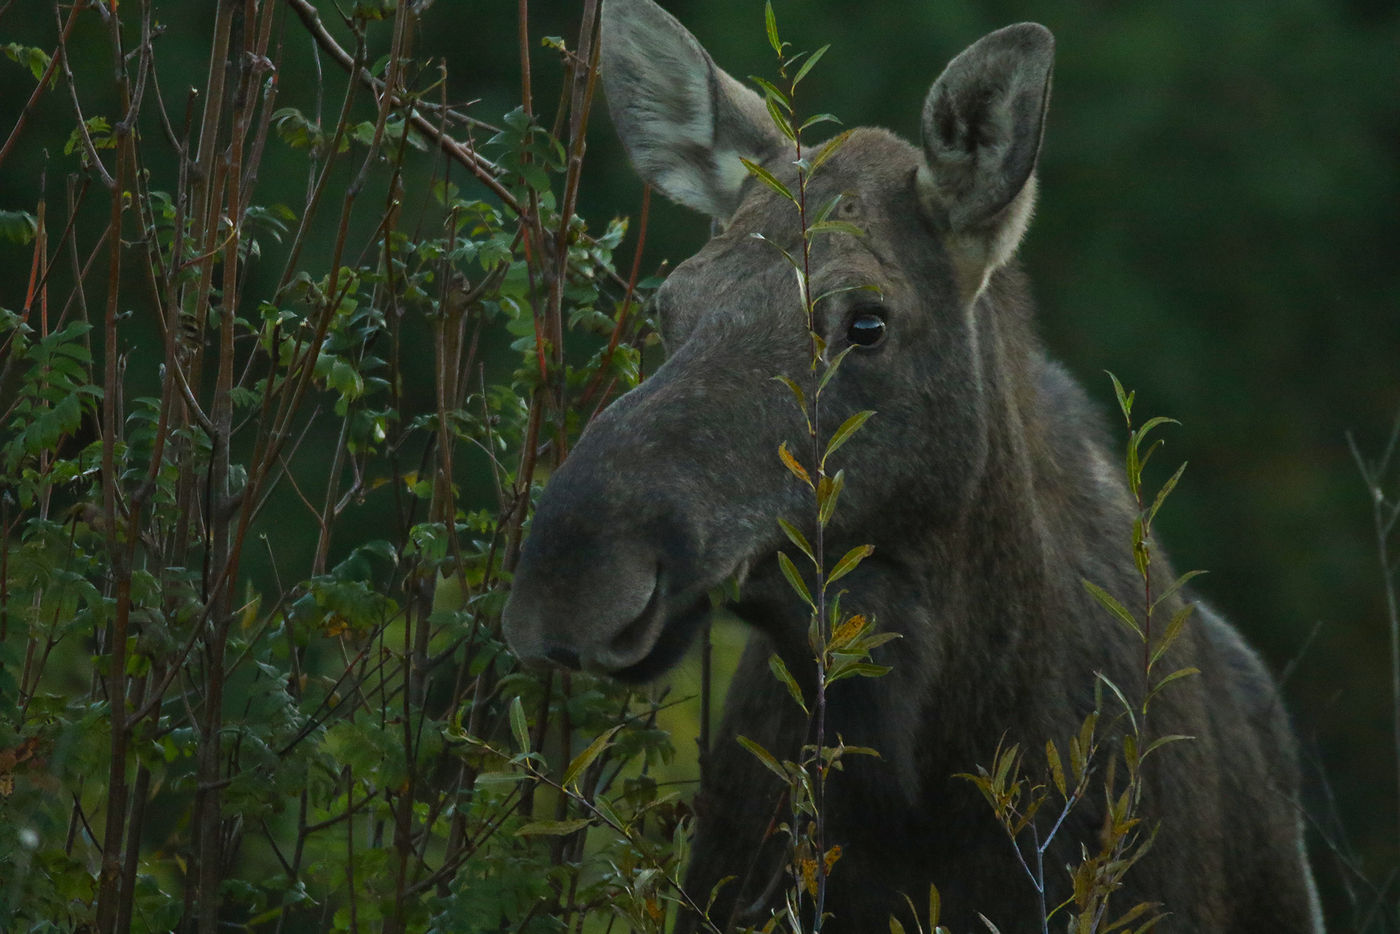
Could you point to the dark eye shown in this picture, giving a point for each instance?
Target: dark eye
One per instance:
(867, 327)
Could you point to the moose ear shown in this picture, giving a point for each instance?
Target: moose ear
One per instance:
(683, 121)
(982, 126)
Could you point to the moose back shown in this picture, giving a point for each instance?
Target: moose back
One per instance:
(982, 482)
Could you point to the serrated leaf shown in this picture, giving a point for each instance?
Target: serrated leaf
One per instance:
(767, 178)
(843, 434)
(552, 828)
(519, 725)
(793, 465)
(794, 578)
(1111, 603)
(584, 759)
(781, 672)
(848, 563)
(807, 65)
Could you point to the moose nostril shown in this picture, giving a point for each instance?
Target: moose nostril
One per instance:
(564, 657)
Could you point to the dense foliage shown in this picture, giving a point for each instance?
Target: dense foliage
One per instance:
(301, 306)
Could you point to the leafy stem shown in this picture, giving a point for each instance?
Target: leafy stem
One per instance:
(841, 644)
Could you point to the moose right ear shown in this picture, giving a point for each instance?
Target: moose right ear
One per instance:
(684, 122)
(982, 125)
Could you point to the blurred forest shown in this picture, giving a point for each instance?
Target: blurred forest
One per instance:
(1218, 220)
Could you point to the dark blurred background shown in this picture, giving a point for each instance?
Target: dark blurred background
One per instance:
(1217, 225)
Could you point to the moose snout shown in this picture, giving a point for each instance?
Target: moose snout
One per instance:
(584, 613)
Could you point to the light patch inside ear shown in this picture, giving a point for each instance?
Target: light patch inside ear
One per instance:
(979, 251)
(730, 171)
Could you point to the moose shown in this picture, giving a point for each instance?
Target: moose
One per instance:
(982, 482)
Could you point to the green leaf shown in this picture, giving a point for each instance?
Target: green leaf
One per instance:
(1175, 586)
(781, 672)
(1152, 423)
(1122, 699)
(849, 562)
(770, 22)
(783, 124)
(807, 65)
(1164, 740)
(797, 392)
(1164, 492)
(829, 149)
(1174, 628)
(844, 669)
(822, 214)
(553, 828)
(832, 227)
(763, 756)
(1175, 675)
(33, 58)
(18, 226)
(1112, 605)
(828, 492)
(1125, 399)
(843, 434)
(794, 578)
(772, 92)
(795, 536)
(584, 759)
(767, 178)
(815, 120)
(786, 255)
(832, 367)
(1057, 769)
(519, 725)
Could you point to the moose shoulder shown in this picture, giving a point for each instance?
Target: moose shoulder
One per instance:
(982, 483)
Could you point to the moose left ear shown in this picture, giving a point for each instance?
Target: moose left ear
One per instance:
(684, 122)
(982, 125)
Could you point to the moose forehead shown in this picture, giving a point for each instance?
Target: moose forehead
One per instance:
(873, 173)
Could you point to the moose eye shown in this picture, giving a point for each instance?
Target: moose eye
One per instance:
(867, 327)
